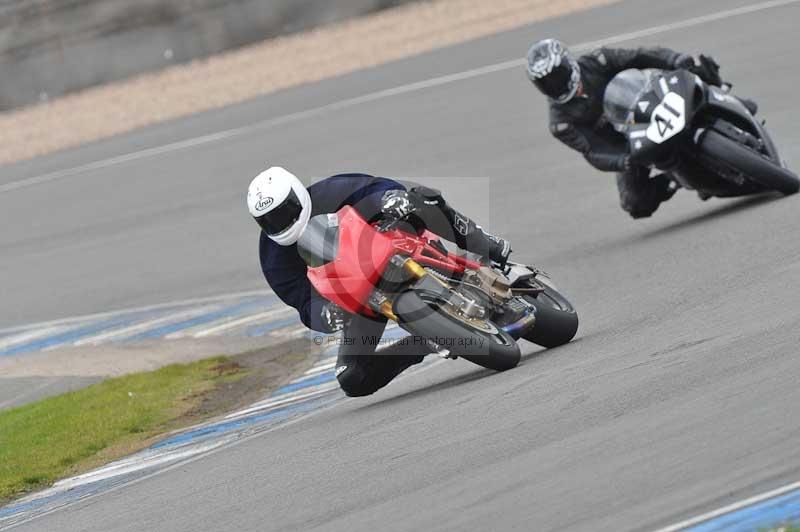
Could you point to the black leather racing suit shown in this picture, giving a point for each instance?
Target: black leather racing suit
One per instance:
(581, 125)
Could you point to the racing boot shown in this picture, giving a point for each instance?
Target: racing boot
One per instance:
(641, 195)
(667, 185)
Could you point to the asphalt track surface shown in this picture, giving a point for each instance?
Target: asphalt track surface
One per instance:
(679, 395)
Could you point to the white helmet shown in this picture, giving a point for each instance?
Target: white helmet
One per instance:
(280, 204)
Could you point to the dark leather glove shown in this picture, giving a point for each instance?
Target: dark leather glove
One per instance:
(334, 317)
(396, 205)
(685, 61)
(708, 70)
(624, 163)
(401, 208)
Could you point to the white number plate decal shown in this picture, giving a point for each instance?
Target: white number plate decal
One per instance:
(668, 118)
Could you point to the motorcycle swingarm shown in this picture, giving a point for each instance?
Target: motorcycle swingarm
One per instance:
(518, 274)
(523, 280)
(528, 290)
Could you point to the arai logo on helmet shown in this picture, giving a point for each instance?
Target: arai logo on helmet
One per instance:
(263, 204)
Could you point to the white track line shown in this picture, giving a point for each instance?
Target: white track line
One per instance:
(731, 508)
(374, 96)
(688, 23)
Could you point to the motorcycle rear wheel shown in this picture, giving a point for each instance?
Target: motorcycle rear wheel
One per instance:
(556, 319)
(479, 341)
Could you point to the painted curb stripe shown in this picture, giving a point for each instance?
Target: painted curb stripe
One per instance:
(292, 398)
(27, 337)
(231, 425)
(771, 513)
(165, 330)
(262, 329)
(240, 322)
(264, 293)
(305, 383)
(126, 332)
(181, 447)
(771, 507)
(68, 336)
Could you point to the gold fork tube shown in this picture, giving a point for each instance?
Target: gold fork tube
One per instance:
(414, 269)
(386, 310)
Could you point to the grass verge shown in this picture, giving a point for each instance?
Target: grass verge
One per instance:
(784, 528)
(73, 432)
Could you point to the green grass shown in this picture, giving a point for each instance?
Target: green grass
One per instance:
(784, 528)
(66, 434)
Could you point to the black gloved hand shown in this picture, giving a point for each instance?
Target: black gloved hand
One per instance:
(705, 67)
(399, 206)
(334, 317)
(709, 62)
(685, 61)
(624, 163)
(708, 70)
(396, 205)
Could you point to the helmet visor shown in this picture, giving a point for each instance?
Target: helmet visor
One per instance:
(281, 217)
(557, 83)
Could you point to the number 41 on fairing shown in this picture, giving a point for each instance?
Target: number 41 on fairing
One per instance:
(668, 118)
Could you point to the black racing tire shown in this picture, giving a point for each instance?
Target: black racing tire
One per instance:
(756, 167)
(556, 319)
(493, 349)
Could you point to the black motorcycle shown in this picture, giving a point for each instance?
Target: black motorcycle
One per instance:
(700, 135)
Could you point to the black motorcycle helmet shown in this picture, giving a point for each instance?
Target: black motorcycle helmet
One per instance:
(553, 70)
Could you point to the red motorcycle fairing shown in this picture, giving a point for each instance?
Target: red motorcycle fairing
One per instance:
(360, 261)
(362, 257)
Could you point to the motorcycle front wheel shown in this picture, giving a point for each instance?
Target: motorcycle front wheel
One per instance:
(758, 168)
(479, 341)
